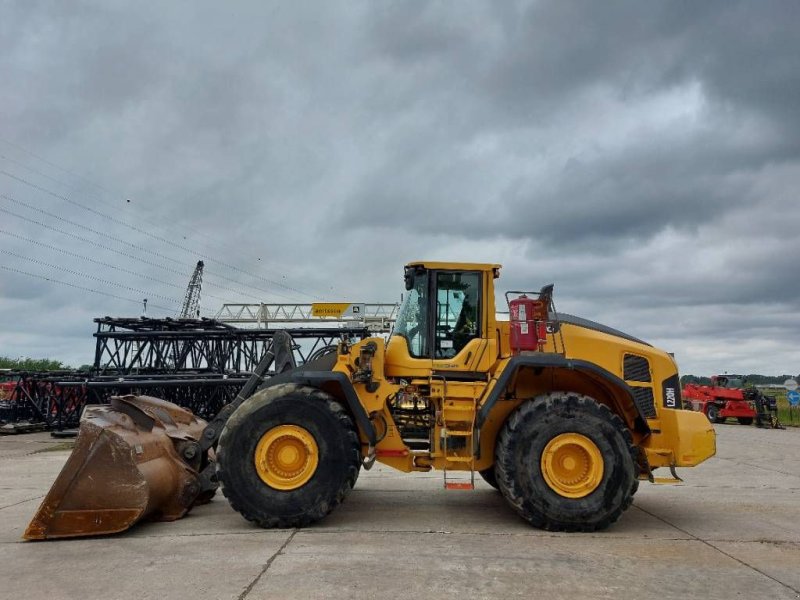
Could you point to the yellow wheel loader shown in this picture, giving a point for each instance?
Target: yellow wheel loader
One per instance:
(562, 415)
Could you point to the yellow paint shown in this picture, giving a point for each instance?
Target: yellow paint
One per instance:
(678, 438)
(286, 457)
(455, 266)
(329, 309)
(572, 465)
(684, 439)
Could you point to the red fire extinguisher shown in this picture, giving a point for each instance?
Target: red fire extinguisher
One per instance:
(528, 324)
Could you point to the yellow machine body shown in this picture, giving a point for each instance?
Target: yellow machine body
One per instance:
(457, 389)
(453, 389)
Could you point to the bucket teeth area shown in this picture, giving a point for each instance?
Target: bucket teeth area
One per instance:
(124, 468)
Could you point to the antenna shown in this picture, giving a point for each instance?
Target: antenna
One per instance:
(191, 302)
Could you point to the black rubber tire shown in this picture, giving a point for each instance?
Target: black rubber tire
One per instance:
(489, 477)
(339, 456)
(745, 420)
(712, 412)
(518, 462)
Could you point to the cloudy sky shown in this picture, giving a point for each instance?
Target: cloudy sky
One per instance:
(645, 157)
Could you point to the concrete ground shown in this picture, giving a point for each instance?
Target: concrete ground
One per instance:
(731, 531)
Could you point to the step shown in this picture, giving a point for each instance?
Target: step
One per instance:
(458, 485)
(458, 433)
(417, 444)
(667, 481)
(459, 459)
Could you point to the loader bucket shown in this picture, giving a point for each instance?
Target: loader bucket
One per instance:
(126, 466)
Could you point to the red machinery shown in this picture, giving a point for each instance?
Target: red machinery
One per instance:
(7, 386)
(725, 398)
(529, 317)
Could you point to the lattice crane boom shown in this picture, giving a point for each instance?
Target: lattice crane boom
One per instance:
(191, 301)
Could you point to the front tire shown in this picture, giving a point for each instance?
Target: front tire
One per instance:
(566, 463)
(713, 414)
(745, 420)
(288, 456)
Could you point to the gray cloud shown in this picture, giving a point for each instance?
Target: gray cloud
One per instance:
(643, 157)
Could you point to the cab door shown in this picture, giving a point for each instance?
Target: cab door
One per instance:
(408, 352)
(457, 327)
(442, 327)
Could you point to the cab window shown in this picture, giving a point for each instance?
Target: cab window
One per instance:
(457, 311)
(412, 319)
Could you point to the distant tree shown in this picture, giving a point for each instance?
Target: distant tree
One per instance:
(695, 379)
(755, 379)
(31, 364)
(752, 379)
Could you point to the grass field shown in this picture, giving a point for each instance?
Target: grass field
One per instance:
(787, 415)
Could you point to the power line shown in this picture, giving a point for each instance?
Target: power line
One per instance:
(52, 164)
(86, 180)
(112, 193)
(135, 246)
(115, 251)
(80, 287)
(147, 233)
(87, 228)
(87, 276)
(38, 172)
(102, 263)
(88, 241)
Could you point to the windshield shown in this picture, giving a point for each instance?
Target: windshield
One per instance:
(412, 318)
(733, 383)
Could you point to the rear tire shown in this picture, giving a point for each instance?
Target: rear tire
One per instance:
(533, 428)
(489, 477)
(336, 456)
(745, 420)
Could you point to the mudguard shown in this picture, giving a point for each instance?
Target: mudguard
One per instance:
(558, 361)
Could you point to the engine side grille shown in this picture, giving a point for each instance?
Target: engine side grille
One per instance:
(636, 368)
(643, 396)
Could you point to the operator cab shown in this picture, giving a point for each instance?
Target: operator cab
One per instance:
(443, 320)
(733, 382)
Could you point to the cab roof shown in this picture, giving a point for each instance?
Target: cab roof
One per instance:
(455, 266)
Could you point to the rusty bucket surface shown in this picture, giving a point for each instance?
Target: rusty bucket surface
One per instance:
(126, 466)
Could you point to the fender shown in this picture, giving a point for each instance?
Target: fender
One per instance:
(318, 379)
(558, 361)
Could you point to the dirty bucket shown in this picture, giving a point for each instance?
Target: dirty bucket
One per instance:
(137, 458)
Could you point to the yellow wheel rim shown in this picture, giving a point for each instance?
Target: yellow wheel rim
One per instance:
(572, 465)
(286, 457)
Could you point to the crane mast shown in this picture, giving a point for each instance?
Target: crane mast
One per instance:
(191, 301)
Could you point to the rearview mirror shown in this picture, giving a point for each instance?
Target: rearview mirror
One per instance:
(409, 278)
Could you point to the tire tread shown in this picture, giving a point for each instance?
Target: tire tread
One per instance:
(321, 510)
(535, 410)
